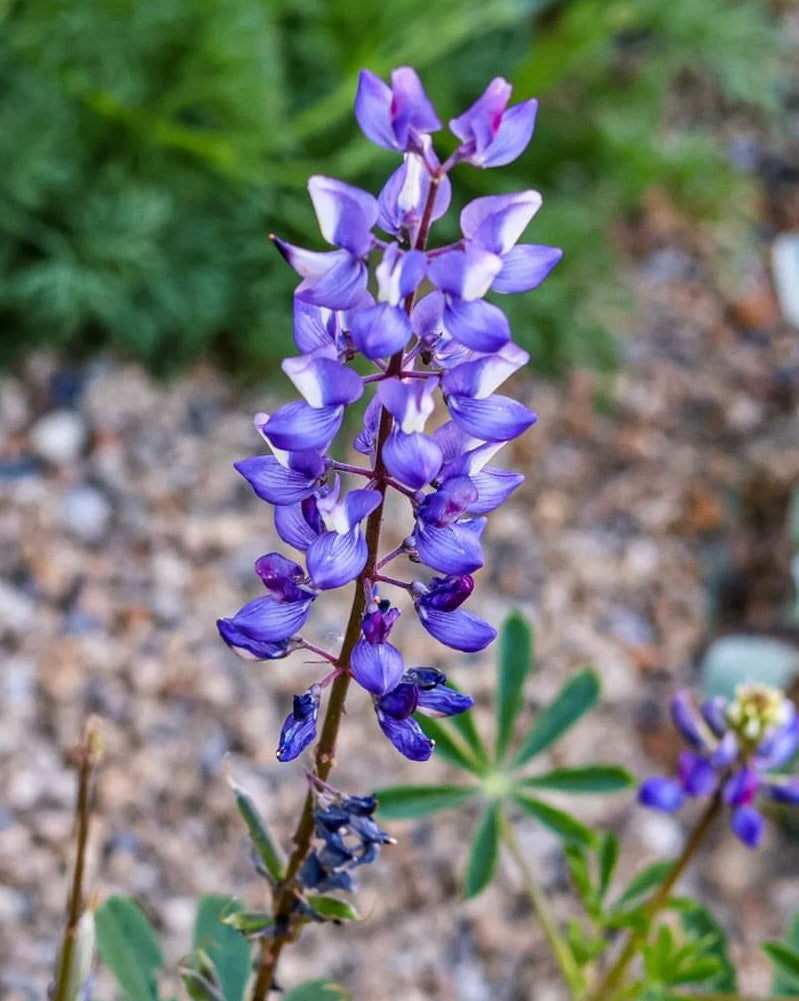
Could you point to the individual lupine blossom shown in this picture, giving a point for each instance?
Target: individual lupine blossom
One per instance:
(735, 748)
(347, 837)
(427, 340)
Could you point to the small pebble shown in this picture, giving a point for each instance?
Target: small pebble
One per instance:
(86, 513)
(59, 437)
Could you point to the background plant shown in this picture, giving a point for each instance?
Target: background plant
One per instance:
(148, 147)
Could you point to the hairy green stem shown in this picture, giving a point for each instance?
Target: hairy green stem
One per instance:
(286, 892)
(560, 950)
(612, 981)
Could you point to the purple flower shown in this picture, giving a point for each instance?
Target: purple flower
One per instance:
(395, 117)
(494, 224)
(735, 746)
(335, 279)
(442, 539)
(405, 194)
(375, 664)
(421, 689)
(492, 134)
(439, 611)
(299, 729)
(260, 630)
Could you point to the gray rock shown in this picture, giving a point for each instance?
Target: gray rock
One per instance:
(732, 660)
(59, 436)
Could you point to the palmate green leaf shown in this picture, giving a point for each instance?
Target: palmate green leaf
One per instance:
(698, 922)
(227, 949)
(786, 983)
(451, 747)
(129, 947)
(558, 821)
(409, 802)
(591, 779)
(484, 852)
(515, 660)
(576, 697)
(323, 989)
(465, 725)
(646, 880)
(267, 848)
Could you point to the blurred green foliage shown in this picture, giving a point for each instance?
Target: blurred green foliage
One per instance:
(147, 147)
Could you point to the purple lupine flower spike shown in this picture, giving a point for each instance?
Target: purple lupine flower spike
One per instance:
(735, 746)
(409, 346)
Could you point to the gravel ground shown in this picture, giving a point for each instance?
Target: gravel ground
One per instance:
(653, 518)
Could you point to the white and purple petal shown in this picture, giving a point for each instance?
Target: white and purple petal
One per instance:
(443, 701)
(478, 125)
(322, 380)
(346, 214)
(480, 377)
(494, 486)
(380, 331)
(512, 136)
(466, 274)
(334, 560)
(451, 549)
(413, 459)
(409, 403)
(458, 629)
(272, 482)
(377, 667)
(496, 418)
(525, 267)
(266, 620)
(496, 222)
(299, 427)
(478, 325)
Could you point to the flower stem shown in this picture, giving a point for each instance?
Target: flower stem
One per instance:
(286, 892)
(568, 967)
(612, 980)
(87, 753)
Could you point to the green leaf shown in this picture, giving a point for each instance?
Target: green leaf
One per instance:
(409, 802)
(698, 922)
(317, 990)
(228, 951)
(783, 982)
(129, 947)
(515, 661)
(575, 699)
(465, 725)
(484, 852)
(577, 862)
(608, 855)
(200, 977)
(646, 880)
(591, 779)
(264, 843)
(559, 822)
(786, 960)
(450, 747)
(333, 909)
(249, 923)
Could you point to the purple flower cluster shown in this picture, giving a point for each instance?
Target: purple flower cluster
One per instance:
(420, 320)
(735, 747)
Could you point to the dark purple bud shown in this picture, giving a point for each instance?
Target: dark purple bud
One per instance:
(377, 625)
(447, 593)
(424, 678)
(400, 702)
(282, 577)
(299, 729)
(449, 502)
